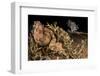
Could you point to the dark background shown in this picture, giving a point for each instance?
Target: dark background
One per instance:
(82, 22)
